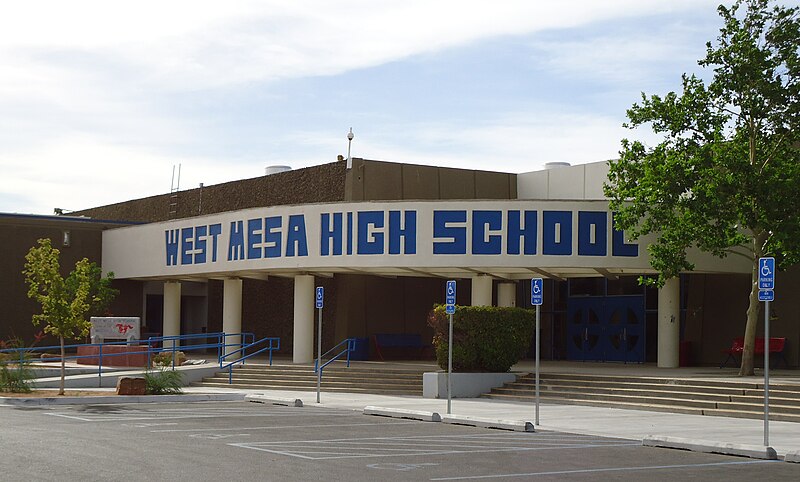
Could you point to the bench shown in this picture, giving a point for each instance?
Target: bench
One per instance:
(401, 345)
(777, 347)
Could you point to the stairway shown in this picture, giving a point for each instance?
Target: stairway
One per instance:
(743, 399)
(336, 378)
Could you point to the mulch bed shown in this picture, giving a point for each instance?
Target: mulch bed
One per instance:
(54, 393)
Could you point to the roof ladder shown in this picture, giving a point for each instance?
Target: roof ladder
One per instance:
(175, 186)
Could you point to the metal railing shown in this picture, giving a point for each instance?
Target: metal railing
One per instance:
(151, 346)
(272, 344)
(350, 347)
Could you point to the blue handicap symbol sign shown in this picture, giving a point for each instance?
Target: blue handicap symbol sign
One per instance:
(766, 273)
(320, 296)
(537, 291)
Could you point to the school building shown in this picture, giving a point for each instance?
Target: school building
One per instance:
(382, 238)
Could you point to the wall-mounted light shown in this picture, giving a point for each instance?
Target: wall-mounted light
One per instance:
(65, 238)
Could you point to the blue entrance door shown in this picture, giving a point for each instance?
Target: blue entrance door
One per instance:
(606, 328)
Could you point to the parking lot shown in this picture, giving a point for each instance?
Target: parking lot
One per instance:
(249, 441)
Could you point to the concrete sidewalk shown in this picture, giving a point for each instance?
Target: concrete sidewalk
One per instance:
(608, 422)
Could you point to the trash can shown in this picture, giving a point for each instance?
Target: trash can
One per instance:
(685, 354)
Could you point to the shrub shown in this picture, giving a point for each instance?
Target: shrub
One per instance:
(163, 382)
(486, 338)
(15, 374)
(15, 379)
(164, 358)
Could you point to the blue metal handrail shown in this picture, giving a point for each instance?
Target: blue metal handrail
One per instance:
(99, 355)
(220, 343)
(274, 344)
(351, 347)
(148, 346)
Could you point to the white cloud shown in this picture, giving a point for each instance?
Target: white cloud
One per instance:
(82, 172)
(191, 44)
(518, 142)
(83, 83)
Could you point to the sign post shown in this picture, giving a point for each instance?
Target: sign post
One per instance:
(537, 292)
(319, 303)
(450, 309)
(766, 285)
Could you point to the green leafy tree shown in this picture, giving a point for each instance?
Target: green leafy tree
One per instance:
(725, 176)
(66, 302)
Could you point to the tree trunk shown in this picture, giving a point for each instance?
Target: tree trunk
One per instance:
(63, 367)
(748, 355)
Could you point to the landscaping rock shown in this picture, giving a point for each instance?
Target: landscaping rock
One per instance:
(131, 386)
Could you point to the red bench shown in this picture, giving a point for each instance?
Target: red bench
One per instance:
(777, 346)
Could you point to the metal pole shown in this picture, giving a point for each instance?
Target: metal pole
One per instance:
(537, 364)
(766, 374)
(319, 351)
(449, 363)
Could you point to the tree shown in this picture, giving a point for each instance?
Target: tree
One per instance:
(66, 302)
(725, 177)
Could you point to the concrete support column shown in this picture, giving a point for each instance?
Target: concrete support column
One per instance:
(172, 312)
(303, 346)
(669, 324)
(482, 290)
(232, 315)
(507, 294)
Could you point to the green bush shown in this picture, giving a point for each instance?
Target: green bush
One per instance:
(163, 382)
(15, 379)
(164, 358)
(486, 338)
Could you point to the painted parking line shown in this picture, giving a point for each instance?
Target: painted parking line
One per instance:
(279, 427)
(106, 415)
(348, 448)
(607, 470)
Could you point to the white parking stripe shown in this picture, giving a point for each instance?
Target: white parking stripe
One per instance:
(609, 469)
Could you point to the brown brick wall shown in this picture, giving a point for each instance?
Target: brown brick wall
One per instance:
(317, 184)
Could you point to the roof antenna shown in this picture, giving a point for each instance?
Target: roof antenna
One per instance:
(349, 141)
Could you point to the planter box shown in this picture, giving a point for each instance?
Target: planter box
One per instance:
(464, 385)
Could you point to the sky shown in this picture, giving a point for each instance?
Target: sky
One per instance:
(100, 101)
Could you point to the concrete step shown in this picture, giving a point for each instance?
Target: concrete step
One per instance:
(777, 405)
(778, 391)
(609, 397)
(608, 379)
(335, 378)
(333, 369)
(310, 374)
(278, 377)
(700, 396)
(326, 388)
(570, 384)
(677, 392)
(309, 382)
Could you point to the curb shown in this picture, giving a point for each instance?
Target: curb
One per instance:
(707, 446)
(103, 400)
(513, 425)
(793, 457)
(259, 398)
(401, 413)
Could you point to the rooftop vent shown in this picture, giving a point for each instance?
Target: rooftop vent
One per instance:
(556, 165)
(276, 169)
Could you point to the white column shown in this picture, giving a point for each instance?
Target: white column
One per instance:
(482, 290)
(303, 346)
(232, 314)
(507, 294)
(172, 312)
(669, 325)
